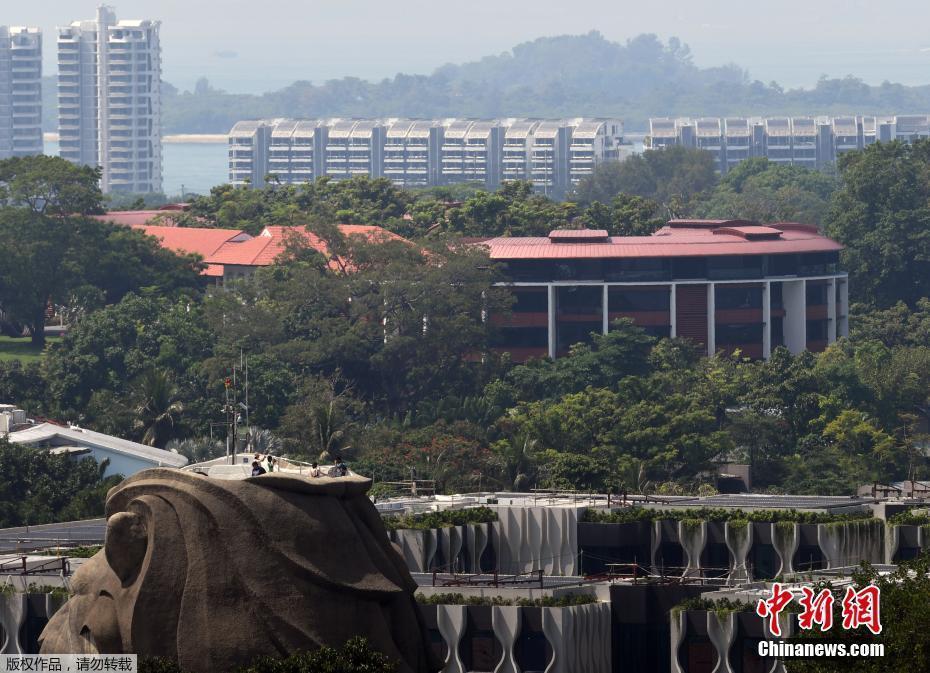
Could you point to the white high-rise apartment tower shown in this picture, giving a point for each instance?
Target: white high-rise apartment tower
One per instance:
(109, 100)
(20, 91)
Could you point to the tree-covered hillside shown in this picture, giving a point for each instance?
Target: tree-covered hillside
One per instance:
(567, 75)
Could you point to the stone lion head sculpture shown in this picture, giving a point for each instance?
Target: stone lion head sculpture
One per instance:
(215, 573)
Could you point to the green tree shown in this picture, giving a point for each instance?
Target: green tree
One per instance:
(50, 186)
(760, 190)
(115, 345)
(37, 267)
(37, 487)
(623, 351)
(322, 423)
(157, 406)
(672, 177)
(882, 215)
(626, 215)
(512, 210)
(905, 595)
(75, 260)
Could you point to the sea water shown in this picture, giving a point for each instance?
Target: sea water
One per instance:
(191, 167)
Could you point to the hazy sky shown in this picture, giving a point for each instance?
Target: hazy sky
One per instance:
(255, 46)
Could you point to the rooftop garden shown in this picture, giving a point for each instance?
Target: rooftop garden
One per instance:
(635, 514)
(543, 602)
(446, 518)
(909, 518)
(722, 606)
(85, 551)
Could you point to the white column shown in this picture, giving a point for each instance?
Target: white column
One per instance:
(831, 311)
(711, 320)
(843, 309)
(672, 312)
(794, 300)
(552, 298)
(605, 305)
(767, 320)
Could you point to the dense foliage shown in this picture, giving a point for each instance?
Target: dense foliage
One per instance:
(721, 606)
(37, 487)
(356, 656)
(909, 518)
(442, 519)
(905, 622)
(54, 254)
(882, 214)
(379, 353)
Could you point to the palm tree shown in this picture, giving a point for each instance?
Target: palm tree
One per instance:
(515, 454)
(197, 449)
(263, 441)
(157, 406)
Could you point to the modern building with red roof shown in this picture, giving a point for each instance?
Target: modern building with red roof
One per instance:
(727, 284)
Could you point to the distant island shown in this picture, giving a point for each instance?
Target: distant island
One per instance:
(568, 75)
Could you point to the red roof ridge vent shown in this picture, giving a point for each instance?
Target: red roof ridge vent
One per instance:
(753, 232)
(579, 236)
(796, 226)
(709, 224)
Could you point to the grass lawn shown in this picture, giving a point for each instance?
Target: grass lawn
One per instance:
(21, 349)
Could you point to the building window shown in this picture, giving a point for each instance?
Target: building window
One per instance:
(729, 297)
(637, 269)
(531, 300)
(581, 300)
(816, 294)
(622, 299)
(783, 265)
(520, 337)
(816, 330)
(735, 266)
(739, 333)
(689, 267)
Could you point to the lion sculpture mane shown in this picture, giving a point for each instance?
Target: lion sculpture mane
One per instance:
(214, 573)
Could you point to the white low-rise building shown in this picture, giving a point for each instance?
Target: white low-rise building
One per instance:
(126, 457)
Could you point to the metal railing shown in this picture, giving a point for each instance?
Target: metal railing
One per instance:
(492, 579)
(22, 566)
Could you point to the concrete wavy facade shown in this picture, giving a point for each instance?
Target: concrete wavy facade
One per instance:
(701, 639)
(524, 539)
(468, 549)
(512, 639)
(22, 618)
(745, 552)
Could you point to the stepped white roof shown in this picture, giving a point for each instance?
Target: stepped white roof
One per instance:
(49, 434)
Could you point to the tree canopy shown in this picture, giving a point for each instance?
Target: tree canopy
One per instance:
(379, 351)
(882, 215)
(55, 255)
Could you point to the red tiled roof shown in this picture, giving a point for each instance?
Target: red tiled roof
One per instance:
(265, 248)
(221, 247)
(135, 218)
(197, 240)
(699, 240)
